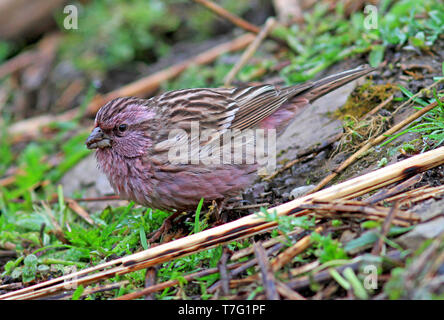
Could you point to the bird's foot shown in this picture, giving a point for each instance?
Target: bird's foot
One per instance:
(164, 228)
(221, 218)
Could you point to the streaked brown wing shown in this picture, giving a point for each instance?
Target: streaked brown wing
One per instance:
(220, 109)
(211, 110)
(217, 109)
(244, 107)
(257, 103)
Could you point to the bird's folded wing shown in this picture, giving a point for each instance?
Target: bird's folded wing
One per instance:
(257, 103)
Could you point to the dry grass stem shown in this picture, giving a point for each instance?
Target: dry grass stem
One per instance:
(249, 52)
(267, 275)
(74, 206)
(288, 254)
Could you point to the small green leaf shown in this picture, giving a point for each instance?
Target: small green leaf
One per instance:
(197, 218)
(364, 240)
(358, 288)
(143, 239)
(418, 40)
(78, 292)
(370, 224)
(339, 279)
(61, 198)
(376, 56)
(411, 96)
(383, 162)
(30, 268)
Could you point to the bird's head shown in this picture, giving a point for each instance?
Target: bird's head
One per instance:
(123, 126)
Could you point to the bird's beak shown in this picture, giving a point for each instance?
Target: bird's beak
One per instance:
(98, 139)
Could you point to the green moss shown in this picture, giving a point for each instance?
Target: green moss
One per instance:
(364, 99)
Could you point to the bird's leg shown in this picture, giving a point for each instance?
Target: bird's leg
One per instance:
(220, 218)
(166, 225)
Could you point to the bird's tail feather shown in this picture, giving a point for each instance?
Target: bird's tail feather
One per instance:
(330, 83)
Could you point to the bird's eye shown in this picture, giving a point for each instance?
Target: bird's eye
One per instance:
(122, 127)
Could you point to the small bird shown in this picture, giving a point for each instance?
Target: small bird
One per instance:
(133, 138)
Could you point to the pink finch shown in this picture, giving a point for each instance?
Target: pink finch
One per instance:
(133, 138)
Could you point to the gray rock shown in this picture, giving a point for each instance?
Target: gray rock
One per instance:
(86, 179)
(422, 232)
(300, 191)
(312, 125)
(428, 230)
(86, 176)
(430, 209)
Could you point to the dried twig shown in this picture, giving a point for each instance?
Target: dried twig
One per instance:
(266, 272)
(420, 92)
(8, 253)
(371, 211)
(385, 229)
(11, 286)
(18, 62)
(104, 198)
(287, 292)
(7, 181)
(70, 93)
(170, 283)
(106, 287)
(224, 275)
(250, 206)
(236, 20)
(46, 45)
(88, 291)
(268, 243)
(410, 197)
(249, 52)
(244, 266)
(74, 206)
(417, 66)
(304, 268)
(287, 255)
(281, 260)
(150, 280)
(378, 107)
(384, 194)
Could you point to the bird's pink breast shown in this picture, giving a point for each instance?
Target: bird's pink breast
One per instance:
(178, 189)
